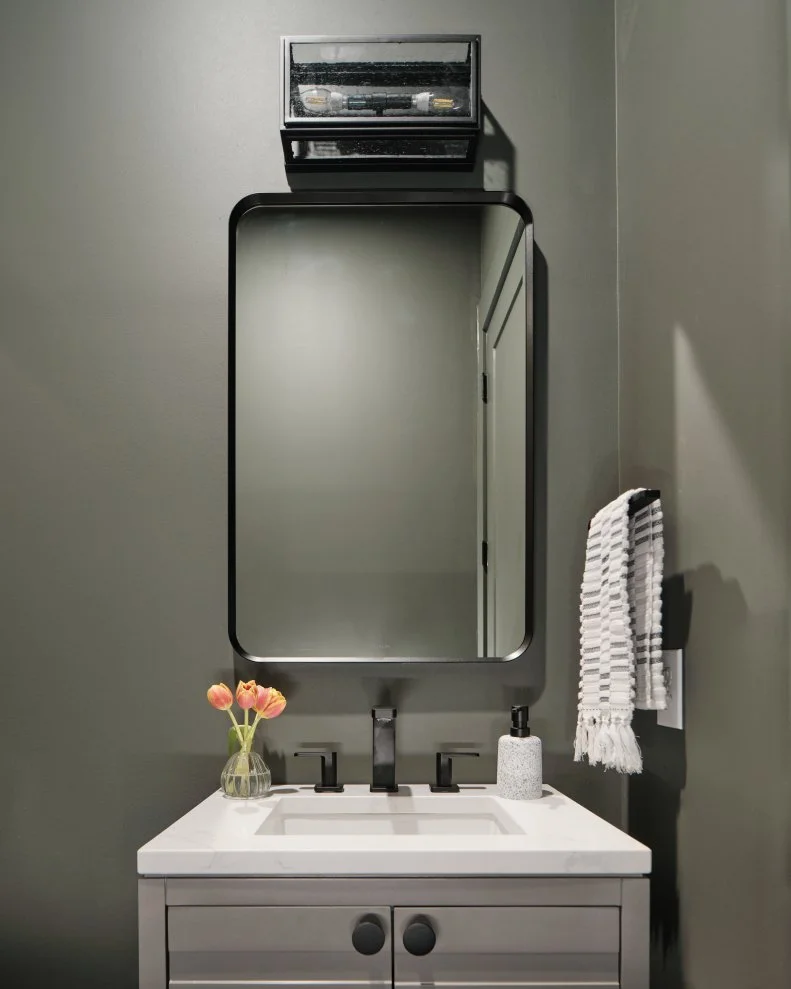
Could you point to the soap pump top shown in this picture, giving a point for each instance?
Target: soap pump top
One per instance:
(519, 725)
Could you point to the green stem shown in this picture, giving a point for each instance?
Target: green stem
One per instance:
(237, 727)
(253, 728)
(247, 736)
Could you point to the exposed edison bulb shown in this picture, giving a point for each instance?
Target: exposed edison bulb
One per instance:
(325, 101)
(320, 100)
(431, 102)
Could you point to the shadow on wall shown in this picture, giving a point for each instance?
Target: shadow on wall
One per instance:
(732, 693)
(655, 800)
(496, 165)
(495, 170)
(536, 654)
(692, 793)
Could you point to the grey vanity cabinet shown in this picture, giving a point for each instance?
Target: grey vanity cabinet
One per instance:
(511, 946)
(275, 947)
(454, 933)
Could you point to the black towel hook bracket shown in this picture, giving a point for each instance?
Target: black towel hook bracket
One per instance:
(642, 500)
(639, 501)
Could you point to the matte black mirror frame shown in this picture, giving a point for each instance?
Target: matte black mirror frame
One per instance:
(329, 200)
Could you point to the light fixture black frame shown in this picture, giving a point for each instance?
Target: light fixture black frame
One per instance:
(395, 198)
(295, 128)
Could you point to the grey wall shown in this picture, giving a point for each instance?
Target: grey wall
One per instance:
(703, 168)
(129, 131)
(356, 402)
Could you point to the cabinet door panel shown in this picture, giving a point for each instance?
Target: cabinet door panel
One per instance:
(511, 947)
(274, 948)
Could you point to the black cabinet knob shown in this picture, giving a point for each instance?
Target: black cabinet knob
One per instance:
(368, 937)
(419, 937)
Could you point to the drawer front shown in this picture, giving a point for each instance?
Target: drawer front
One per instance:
(499, 947)
(275, 947)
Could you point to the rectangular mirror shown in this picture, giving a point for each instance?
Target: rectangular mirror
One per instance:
(381, 393)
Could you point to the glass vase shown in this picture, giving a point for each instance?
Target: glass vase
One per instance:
(245, 776)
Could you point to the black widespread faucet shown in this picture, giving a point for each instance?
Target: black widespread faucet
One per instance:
(384, 751)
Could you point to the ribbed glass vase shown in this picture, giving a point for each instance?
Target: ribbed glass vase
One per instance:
(246, 776)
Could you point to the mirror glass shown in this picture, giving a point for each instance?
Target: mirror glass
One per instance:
(381, 430)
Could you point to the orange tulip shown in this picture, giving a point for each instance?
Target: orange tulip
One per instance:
(246, 694)
(220, 696)
(269, 702)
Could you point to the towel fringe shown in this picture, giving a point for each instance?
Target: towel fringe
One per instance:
(609, 741)
(581, 740)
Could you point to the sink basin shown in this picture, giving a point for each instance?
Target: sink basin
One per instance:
(397, 815)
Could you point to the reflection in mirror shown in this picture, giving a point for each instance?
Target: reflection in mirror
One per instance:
(381, 432)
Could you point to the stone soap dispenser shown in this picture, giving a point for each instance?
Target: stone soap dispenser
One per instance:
(519, 760)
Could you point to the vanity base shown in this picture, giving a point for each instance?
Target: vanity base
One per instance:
(543, 932)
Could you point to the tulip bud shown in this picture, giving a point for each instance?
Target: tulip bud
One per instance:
(246, 694)
(269, 702)
(220, 696)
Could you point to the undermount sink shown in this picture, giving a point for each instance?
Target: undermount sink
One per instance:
(396, 815)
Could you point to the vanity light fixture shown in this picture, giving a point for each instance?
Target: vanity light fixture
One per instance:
(395, 102)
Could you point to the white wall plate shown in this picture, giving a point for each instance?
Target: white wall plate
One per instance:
(673, 715)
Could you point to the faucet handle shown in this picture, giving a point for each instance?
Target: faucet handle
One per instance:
(329, 769)
(444, 783)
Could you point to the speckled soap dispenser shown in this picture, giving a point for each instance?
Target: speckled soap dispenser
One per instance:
(519, 760)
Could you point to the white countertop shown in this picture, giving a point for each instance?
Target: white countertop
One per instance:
(561, 838)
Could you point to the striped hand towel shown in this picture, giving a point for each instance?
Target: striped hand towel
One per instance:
(620, 632)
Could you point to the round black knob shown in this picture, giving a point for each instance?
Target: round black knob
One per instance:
(419, 937)
(368, 937)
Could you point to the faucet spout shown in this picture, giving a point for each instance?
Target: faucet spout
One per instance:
(384, 752)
